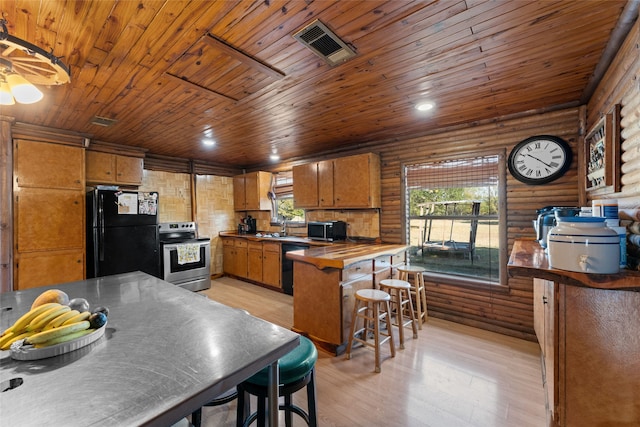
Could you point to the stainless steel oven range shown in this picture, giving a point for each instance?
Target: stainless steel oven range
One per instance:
(186, 258)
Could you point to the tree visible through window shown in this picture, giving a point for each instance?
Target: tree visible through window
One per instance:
(453, 216)
(283, 191)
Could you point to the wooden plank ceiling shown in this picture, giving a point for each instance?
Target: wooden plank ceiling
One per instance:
(172, 73)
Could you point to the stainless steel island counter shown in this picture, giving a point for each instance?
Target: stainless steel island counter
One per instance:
(166, 351)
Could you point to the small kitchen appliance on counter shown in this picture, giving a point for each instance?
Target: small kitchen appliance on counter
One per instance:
(247, 225)
(186, 258)
(585, 245)
(328, 231)
(547, 220)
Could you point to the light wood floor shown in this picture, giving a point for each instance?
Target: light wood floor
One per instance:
(451, 376)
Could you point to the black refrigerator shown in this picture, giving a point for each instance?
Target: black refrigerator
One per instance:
(122, 232)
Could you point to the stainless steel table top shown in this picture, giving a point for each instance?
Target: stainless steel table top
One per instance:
(166, 351)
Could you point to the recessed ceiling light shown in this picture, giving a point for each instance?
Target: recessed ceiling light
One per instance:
(425, 106)
(208, 142)
(274, 157)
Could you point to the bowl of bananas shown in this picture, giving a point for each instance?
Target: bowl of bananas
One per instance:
(50, 329)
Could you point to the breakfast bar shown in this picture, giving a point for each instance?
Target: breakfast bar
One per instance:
(325, 280)
(166, 352)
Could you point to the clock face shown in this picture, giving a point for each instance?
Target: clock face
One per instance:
(540, 159)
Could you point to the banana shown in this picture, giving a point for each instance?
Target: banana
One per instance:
(26, 318)
(15, 338)
(43, 319)
(6, 337)
(58, 321)
(44, 336)
(64, 338)
(77, 318)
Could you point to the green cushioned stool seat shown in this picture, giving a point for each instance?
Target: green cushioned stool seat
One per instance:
(296, 370)
(292, 366)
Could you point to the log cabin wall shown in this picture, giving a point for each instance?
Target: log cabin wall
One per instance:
(507, 311)
(621, 85)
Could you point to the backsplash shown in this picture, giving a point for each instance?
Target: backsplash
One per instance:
(174, 193)
(362, 223)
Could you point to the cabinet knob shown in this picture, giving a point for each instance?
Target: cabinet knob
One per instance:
(545, 300)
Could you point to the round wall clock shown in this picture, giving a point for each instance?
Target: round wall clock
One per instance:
(539, 159)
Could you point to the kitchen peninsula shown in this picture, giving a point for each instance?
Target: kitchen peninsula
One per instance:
(326, 279)
(587, 326)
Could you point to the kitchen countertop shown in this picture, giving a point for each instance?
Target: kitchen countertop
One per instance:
(166, 352)
(283, 239)
(341, 255)
(529, 259)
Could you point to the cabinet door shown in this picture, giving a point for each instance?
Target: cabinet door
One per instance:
(539, 302)
(100, 167)
(351, 182)
(305, 185)
(228, 256)
(49, 219)
(271, 264)
(255, 264)
(239, 199)
(241, 258)
(129, 170)
(326, 183)
(48, 165)
(47, 268)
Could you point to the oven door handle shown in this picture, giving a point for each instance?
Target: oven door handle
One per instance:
(170, 246)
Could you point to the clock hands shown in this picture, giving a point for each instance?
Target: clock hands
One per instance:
(535, 158)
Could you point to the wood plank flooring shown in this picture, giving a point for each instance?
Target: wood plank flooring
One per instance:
(451, 376)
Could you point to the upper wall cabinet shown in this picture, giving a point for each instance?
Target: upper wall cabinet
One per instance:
(343, 183)
(109, 168)
(250, 191)
(43, 165)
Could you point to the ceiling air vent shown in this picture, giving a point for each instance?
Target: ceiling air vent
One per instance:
(324, 43)
(102, 121)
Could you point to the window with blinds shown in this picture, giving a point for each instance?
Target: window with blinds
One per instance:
(452, 216)
(283, 190)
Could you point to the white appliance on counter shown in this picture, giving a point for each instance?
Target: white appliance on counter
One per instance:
(186, 258)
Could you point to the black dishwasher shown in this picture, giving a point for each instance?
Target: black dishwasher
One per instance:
(287, 266)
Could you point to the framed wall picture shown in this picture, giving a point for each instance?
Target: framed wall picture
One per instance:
(602, 150)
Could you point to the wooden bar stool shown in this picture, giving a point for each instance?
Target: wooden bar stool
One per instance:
(400, 292)
(367, 307)
(418, 289)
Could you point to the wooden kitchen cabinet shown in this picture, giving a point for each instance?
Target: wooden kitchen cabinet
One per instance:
(250, 191)
(254, 268)
(590, 346)
(346, 182)
(235, 257)
(45, 165)
(258, 261)
(272, 264)
(305, 185)
(109, 168)
(544, 315)
(49, 213)
(357, 181)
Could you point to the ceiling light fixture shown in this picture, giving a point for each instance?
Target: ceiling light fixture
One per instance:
(425, 106)
(23, 65)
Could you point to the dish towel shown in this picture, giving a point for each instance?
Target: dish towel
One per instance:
(188, 253)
